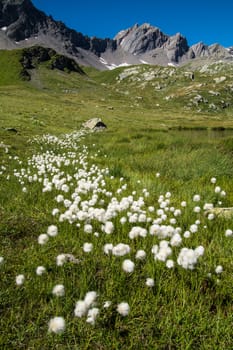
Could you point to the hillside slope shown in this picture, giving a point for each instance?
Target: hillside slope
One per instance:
(56, 93)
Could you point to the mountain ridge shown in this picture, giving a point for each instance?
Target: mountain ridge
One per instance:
(23, 25)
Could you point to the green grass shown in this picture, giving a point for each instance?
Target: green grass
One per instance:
(185, 309)
(10, 67)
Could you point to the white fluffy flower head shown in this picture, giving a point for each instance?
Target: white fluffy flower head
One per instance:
(108, 248)
(140, 255)
(123, 309)
(61, 259)
(81, 308)
(121, 249)
(59, 290)
(196, 198)
(150, 282)
(91, 315)
(57, 325)
(228, 232)
(90, 298)
(128, 266)
(169, 263)
(219, 269)
(43, 238)
(20, 280)
(87, 247)
(52, 231)
(40, 270)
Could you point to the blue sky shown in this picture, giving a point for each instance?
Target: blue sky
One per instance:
(198, 20)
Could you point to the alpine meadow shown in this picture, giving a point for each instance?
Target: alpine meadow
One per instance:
(116, 237)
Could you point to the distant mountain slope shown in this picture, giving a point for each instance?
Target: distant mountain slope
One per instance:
(18, 65)
(139, 88)
(22, 25)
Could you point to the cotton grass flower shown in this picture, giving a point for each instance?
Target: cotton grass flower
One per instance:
(197, 209)
(188, 257)
(218, 269)
(1, 260)
(108, 248)
(162, 251)
(150, 282)
(199, 251)
(81, 308)
(91, 315)
(59, 290)
(140, 254)
(108, 227)
(211, 216)
(57, 325)
(121, 249)
(107, 304)
(196, 198)
(123, 309)
(123, 220)
(137, 231)
(59, 198)
(40, 270)
(128, 265)
(177, 212)
(208, 206)
(90, 298)
(170, 264)
(187, 234)
(52, 231)
(87, 247)
(193, 228)
(176, 240)
(213, 180)
(55, 211)
(61, 259)
(88, 228)
(228, 233)
(20, 280)
(43, 239)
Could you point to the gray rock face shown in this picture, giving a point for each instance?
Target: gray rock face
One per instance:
(176, 46)
(215, 51)
(14, 15)
(94, 124)
(198, 50)
(140, 39)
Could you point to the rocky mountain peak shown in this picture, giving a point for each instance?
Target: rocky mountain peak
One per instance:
(20, 18)
(139, 39)
(176, 46)
(22, 25)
